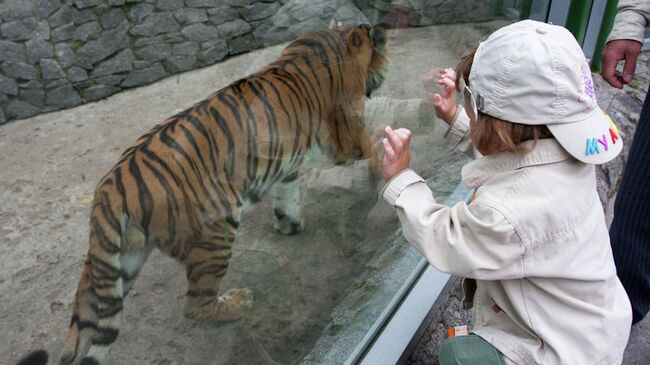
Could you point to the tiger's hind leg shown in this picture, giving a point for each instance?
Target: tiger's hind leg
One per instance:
(206, 264)
(286, 206)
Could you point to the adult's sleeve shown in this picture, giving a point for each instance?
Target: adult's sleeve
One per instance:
(632, 17)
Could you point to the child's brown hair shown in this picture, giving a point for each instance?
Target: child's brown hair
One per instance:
(494, 134)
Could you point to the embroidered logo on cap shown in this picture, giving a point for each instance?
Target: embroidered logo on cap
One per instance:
(587, 92)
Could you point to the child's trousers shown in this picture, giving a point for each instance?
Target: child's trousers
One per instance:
(469, 350)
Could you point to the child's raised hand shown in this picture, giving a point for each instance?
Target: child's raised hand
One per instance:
(445, 102)
(397, 156)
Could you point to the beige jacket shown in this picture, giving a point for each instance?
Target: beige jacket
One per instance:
(535, 239)
(632, 17)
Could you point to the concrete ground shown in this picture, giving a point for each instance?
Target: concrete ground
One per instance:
(49, 167)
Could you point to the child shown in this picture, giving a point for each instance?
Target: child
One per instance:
(533, 235)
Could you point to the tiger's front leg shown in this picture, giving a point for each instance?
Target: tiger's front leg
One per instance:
(206, 265)
(286, 206)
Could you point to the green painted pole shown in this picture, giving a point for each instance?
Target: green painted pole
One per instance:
(526, 6)
(578, 18)
(605, 29)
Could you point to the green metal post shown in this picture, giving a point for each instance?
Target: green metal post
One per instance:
(526, 6)
(578, 18)
(497, 7)
(605, 29)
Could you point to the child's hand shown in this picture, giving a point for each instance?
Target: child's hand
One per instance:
(445, 102)
(397, 156)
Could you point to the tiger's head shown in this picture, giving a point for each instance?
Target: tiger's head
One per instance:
(367, 46)
(363, 63)
(379, 60)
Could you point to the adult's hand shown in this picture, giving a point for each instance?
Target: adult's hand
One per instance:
(615, 51)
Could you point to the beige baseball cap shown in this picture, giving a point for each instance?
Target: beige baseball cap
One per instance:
(535, 73)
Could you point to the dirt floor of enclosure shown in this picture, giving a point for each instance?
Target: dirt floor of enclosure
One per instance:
(51, 163)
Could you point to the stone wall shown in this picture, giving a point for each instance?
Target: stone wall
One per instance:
(56, 54)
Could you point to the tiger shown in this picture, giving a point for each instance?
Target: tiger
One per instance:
(183, 185)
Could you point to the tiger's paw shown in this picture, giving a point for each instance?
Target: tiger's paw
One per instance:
(228, 307)
(236, 303)
(288, 225)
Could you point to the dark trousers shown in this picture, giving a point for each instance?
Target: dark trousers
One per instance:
(630, 229)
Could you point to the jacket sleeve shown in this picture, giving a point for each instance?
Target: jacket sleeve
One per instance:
(474, 241)
(632, 17)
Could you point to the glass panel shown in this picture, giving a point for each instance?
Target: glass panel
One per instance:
(322, 257)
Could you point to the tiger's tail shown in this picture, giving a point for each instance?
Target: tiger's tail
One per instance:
(97, 308)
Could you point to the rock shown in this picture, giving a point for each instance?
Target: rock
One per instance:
(97, 92)
(11, 51)
(19, 70)
(185, 49)
(240, 44)
(167, 5)
(35, 97)
(233, 28)
(8, 85)
(179, 63)
(215, 52)
(43, 8)
(37, 49)
(202, 3)
(51, 70)
(18, 10)
(200, 32)
(154, 52)
(108, 43)
(87, 31)
(42, 31)
(18, 109)
(149, 41)
(64, 33)
(112, 19)
(156, 23)
(222, 14)
(145, 76)
(110, 80)
(121, 62)
(77, 74)
(81, 4)
(140, 11)
(65, 55)
(259, 11)
(63, 97)
(15, 31)
(189, 15)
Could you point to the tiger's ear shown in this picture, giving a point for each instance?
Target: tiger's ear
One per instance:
(378, 36)
(335, 23)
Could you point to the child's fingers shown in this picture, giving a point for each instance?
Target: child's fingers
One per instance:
(404, 134)
(450, 73)
(447, 82)
(389, 152)
(437, 100)
(394, 140)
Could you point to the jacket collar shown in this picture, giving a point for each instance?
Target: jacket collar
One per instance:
(479, 171)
